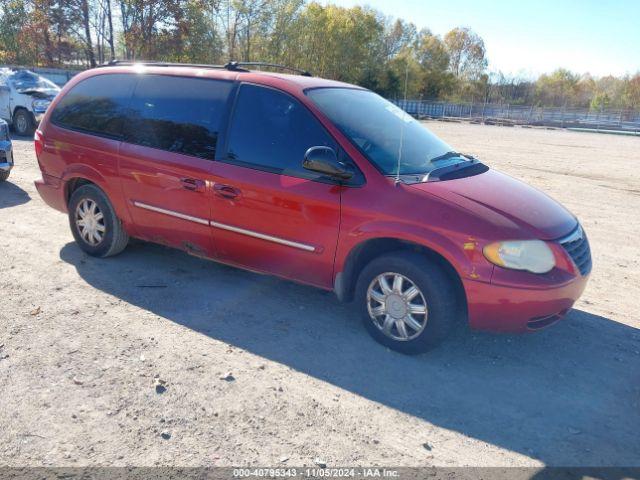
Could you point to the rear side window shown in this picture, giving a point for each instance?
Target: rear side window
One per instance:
(272, 131)
(178, 114)
(96, 105)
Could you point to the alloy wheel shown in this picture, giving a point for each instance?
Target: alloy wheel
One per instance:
(90, 222)
(396, 306)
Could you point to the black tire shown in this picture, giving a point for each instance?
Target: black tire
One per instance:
(23, 123)
(4, 175)
(436, 288)
(114, 238)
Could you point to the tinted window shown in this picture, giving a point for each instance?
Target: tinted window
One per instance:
(96, 105)
(272, 130)
(178, 114)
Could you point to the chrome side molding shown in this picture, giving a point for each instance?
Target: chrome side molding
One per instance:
(172, 213)
(263, 236)
(229, 228)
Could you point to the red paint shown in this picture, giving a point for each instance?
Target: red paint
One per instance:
(507, 203)
(287, 207)
(158, 178)
(333, 220)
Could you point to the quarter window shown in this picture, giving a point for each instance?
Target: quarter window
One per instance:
(272, 131)
(178, 114)
(96, 105)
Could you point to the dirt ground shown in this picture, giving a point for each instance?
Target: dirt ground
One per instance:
(83, 340)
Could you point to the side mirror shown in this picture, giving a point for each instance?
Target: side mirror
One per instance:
(324, 160)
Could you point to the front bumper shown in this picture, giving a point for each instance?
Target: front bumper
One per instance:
(502, 308)
(6, 156)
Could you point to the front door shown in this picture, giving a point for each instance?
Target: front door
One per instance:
(166, 158)
(268, 213)
(5, 99)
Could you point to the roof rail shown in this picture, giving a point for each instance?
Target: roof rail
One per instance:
(231, 66)
(153, 63)
(239, 65)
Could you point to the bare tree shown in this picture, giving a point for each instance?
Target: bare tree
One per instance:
(84, 5)
(110, 22)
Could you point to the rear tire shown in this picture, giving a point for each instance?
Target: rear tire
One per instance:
(391, 309)
(94, 224)
(23, 123)
(4, 175)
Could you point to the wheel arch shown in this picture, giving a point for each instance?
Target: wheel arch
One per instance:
(78, 175)
(73, 184)
(114, 233)
(15, 111)
(18, 107)
(364, 252)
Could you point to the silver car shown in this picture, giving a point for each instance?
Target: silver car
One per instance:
(6, 151)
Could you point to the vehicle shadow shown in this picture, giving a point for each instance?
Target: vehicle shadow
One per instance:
(12, 195)
(567, 396)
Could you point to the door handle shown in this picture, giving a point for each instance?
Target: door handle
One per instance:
(226, 191)
(192, 184)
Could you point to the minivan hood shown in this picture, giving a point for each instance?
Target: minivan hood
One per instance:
(516, 203)
(46, 93)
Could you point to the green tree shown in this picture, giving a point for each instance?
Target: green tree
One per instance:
(557, 89)
(631, 97)
(600, 101)
(335, 42)
(433, 58)
(12, 22)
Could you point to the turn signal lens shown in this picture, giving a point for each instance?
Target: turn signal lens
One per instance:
(531, 255)
(38, 142)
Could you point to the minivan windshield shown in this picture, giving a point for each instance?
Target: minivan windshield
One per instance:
(383, 131)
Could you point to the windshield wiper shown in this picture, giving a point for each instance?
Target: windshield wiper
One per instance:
(471, 166)
(452, 154)
(419, 177)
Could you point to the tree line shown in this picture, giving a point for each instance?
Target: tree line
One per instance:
(358, 45)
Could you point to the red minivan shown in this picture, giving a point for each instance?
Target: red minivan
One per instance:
(315, 181)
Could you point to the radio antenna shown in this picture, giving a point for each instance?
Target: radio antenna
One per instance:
(406, 82)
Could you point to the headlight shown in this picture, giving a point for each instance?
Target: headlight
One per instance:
(40, 105)
(532, 255)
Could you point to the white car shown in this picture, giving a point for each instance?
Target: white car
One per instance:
(24, 97)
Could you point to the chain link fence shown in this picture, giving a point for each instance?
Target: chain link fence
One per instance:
(505, 114)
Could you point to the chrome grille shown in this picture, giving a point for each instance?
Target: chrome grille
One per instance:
(577, 246)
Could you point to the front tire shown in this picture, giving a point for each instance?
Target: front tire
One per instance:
(407, 303)
(23, 123)
(4, 175)
(94, 224)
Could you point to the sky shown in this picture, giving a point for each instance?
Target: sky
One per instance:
(526, 38)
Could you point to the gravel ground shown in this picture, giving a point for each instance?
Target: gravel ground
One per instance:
(100, 360)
